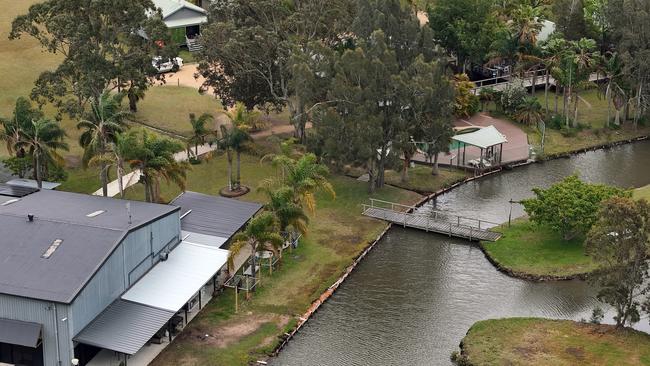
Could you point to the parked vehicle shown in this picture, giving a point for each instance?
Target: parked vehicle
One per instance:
(168, 65)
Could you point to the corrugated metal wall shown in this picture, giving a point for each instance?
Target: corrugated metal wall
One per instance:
(125, 266)
(18, 308)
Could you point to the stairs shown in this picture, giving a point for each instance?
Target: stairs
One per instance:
(193, 44)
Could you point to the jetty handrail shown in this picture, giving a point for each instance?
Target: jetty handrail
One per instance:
(392, 204)
(456, 220)
(508, 77)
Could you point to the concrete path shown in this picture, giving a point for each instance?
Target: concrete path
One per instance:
(133, 177)
(185, 77)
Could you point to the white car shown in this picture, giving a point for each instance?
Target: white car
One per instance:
(173, 64)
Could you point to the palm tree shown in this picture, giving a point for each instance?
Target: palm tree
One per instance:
(199, 130)
(224, 144)
(41, 140)
(105, 120)
(234, 138)
(154, 157)
(530, 112)
(585, 60)
(554, 51)
(247, 119)
(305, 176)
(527, 22)
(260, 235)
(287, 213)
(120, 148)
(21, 119)
(611, 66)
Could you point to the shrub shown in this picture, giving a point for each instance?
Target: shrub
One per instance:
(18, 166)
(597, 316)
(512, 97)
(466, 103)
(556, 122)
(459, 359)
(56, 173)
(569, 207)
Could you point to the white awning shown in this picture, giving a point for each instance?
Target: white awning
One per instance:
(172, 283)
(483, 138)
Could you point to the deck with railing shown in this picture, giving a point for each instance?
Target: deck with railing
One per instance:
(431, 221)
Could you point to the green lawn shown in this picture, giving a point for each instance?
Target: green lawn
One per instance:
(643, 192)
(82, 180)
(529, 249)
(168, 107)
(534, 341)
(420, 178)
(337, 234)
(21, 62)
(593, 114)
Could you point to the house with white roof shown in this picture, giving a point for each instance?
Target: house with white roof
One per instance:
(184, 19)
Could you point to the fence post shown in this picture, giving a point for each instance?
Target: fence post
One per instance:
(479, 224)
(458, 220)
(428, 223)
(450, 229)
(405, 213)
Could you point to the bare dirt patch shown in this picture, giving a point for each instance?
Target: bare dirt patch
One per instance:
(232, 331)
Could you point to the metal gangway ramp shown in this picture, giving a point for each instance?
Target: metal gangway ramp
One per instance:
(431, 221)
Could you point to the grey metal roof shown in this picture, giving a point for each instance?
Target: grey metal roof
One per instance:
(15, 191)
(86, 242)
(73, 208)
(19, 333)
(31, 183)
(211, 215)
(124, 327)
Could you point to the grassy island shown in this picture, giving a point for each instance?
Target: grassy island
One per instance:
(534, 341)
(532, 251)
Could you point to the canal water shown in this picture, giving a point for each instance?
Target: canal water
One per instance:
(412, 299)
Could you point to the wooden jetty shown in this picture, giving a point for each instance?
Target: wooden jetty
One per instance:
(529, 79)
(432, 221)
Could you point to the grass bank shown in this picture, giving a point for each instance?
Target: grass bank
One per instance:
(593, 113)
(337, 234)
(534, 341)
(642, 193)
(531, 251)
(420, 178)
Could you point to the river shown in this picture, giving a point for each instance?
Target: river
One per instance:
(412, 299)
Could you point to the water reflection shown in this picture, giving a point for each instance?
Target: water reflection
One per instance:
(414, 297)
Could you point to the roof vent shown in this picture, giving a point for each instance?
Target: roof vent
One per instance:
(30, 218)
(13, 200)
(53, 247)
(96, 213)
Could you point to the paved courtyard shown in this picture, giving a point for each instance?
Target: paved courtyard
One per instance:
(516, 149)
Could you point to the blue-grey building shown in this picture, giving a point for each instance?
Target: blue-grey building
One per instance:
(80, 274)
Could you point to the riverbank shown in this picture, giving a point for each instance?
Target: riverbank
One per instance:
(338, 234)
(537, 253)
(536, 341)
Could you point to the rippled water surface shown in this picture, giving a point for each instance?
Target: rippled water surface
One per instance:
(413, 298)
